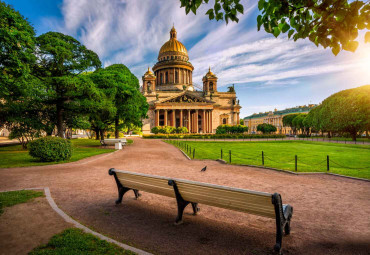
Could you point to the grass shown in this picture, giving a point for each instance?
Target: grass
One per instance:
(11, 198)
(15, 156)
(345, 159)
(73, 241)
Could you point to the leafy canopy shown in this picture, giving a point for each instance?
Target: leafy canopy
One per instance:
(329, 23)
(266, 128)
(16, 50)
(345, 111)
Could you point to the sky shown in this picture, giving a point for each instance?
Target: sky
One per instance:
(267, 72)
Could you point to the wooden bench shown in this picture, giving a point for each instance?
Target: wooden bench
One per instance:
(102, 142)
(191, 192)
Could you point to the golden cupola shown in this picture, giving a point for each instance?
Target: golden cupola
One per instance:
(173, 71)
(173, 48)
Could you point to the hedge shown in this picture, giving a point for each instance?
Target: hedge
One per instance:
(49, 149)
(169, 130)
(209, 136)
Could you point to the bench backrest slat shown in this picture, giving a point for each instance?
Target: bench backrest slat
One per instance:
(253, 202)
(144, 183)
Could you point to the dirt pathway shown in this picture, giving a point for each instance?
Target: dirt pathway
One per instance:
(331, 214)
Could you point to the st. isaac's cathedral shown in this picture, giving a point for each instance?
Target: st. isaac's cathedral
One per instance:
(173, 100)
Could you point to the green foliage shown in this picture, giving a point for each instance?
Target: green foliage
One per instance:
(228, 129)
(11, 198)
(123, 103)
(75, 241)
(17, 45)
(329, 23)
(345, 111)
(49, 149)
(222, 9)
(60, 58)
(266, 128)
(169, 130)
(212, 136)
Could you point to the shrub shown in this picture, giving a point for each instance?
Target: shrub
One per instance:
(214, 136)
(181, 130)
(163, 130)
(48, 149)
(228, 129)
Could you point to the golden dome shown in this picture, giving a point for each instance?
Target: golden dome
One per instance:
(173, 44)
(210, 73)
(149, 72)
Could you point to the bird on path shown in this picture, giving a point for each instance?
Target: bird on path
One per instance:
(204, 169)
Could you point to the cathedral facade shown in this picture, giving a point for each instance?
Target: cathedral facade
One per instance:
(173, 100)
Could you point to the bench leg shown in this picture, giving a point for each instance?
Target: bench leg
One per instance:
(122, 189)
(137, 194)
(196, 209)
(280, 221)
(181, 203)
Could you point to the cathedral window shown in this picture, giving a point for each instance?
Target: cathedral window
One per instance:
(211, 86)
(161, 78)
(224, 121)
(177, 77)
(166, 77)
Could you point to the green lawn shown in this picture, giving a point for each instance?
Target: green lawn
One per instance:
(345, 159)
(74, 241)
(16, 197)
(15, 156)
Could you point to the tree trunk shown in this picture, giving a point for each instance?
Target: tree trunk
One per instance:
(101, 134)
(354, 136)
(60, 120)
(116, 131)
(329, 134)
(97, 134)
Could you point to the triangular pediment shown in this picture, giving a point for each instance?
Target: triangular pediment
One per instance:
(185, 97)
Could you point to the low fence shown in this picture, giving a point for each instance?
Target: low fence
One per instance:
(264, 160)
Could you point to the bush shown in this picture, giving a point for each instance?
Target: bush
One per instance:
(214, 136)
(163, 130)
(48, 149)
(182, 130)
(228, 129)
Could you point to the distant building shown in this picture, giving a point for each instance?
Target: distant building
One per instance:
(274, 118)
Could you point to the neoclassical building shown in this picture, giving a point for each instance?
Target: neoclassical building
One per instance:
(173, 99)
(275, 118)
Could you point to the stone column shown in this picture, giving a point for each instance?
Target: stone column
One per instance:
(165, 117)
(189, 122)
(174, 118)
(237, 118)
(156, 118)
(181, 118)
(204, 121)
(207, 122)
(196, 121)
(210, 123)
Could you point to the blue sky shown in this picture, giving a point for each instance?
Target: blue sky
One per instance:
(267, 72)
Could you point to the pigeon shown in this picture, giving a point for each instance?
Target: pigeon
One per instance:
(204, 169)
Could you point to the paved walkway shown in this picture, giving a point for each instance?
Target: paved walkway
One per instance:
(331, 214)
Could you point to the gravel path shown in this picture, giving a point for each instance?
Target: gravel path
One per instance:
(331, 214)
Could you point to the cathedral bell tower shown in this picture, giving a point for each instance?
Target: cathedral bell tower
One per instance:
(148, 82)
(210, 82)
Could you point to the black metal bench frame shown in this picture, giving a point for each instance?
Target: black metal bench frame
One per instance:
(283, 213)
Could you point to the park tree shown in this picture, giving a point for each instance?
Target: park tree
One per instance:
(299, 124)
(288, 121)
(60, 59)
(346, 111)
(122, 88)
(16, 55)
(329, 23)
(266, 128)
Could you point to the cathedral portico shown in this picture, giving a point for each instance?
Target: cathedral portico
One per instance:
(172, 99)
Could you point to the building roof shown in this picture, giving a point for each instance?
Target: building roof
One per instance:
(297, 109)
(173, 45)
